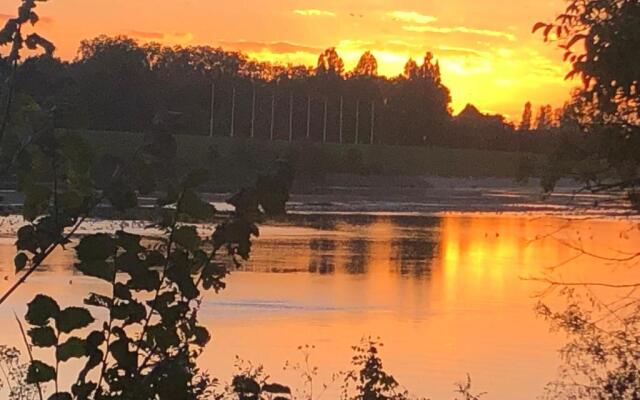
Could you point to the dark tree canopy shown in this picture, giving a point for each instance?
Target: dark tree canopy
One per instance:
(118, 84)
(601, 39)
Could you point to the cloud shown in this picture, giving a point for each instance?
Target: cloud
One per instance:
(461, 51)
(404, 44)
(411, 17)
(164, 37)
(271, 47)
(147, 35)
(350, 44)
(460, 29)
(314, 13)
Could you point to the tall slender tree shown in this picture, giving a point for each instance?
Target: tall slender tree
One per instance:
(527, 115)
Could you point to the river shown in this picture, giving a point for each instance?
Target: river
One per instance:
(448, 294)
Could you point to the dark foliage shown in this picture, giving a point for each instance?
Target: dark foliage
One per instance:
(601, 39)
(117, 84)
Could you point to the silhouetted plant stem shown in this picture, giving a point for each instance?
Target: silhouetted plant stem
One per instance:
(28, 347)
(172, 229)
(103, 368)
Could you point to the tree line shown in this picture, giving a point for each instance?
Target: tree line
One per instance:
(116, 83)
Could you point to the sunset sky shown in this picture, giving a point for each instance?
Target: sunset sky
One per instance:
(487, 53)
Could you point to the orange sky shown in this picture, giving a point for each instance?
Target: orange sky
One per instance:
(487, 53)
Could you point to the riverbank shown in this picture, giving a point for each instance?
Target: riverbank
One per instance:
(237, 160)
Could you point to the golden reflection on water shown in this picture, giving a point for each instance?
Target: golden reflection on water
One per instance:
(445, 294)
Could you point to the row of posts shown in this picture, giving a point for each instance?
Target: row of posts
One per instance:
(273, 110)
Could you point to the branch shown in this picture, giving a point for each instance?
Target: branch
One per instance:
(585, 284)
(630, 257)
(162, 278)
(65, 239)
(40, 260)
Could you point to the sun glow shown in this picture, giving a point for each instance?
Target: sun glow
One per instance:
(486, 51)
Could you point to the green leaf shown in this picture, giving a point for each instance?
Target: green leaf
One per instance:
(48, 231)
(41, 309)
(36, 201)
(193, 206)
(129, 242)
(43, 336)
(97, 300)
(74, 347)
(72, 318)
(40, 372)
(99, 246)
(245, 385)
(97, 268)
(143, 280)
(162, 336)
(95, 339)
(201, 336)
(125, 358)
(187, 237)
(132, 312)
(60, 396)
(20, 261)
(213, 275)
(82, 391)
(27, 239)
(121, 291)
(276, 388)
(121, 196)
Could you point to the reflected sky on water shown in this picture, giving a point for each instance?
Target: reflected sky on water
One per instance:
(445, 293)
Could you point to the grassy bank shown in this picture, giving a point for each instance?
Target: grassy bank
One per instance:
(234, 160)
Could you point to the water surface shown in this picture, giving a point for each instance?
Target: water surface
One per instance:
(445, 293)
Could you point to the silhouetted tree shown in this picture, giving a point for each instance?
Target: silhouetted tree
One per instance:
(115, 80)
(544, 119)
(601, 39)
(117, 84)
(429, 69)
(329, 62)
(367, 65)
(525, 124)
(411, 69)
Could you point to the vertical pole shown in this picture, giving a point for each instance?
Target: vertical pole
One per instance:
(357, 120)
(253, 113)
(373, 120)
(324, 126)
(341, 114)
(291, 117)
(233, 112)
(308, 116)
(273, 115)
(213, 97)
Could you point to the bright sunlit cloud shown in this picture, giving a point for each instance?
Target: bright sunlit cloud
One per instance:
(411, 17)
(459, 29)
(174, 38)
(314, 13)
